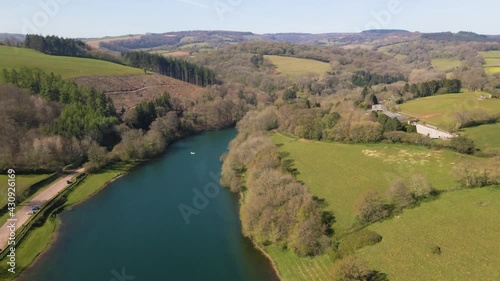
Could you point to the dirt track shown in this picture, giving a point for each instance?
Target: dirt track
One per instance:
(44, 196)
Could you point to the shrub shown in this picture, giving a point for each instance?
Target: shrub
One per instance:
(436, 250)
(463, 145)
(358, 240)
(370, 207)
(365, 132)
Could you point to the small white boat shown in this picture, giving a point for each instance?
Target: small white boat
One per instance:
(193, 153)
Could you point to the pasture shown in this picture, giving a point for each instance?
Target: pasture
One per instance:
(463, 224)
(339, 173)
(486, 137)
(294, 268)
(23, 182)
(295, 67)
(445, 65)
(492, 62)
(440, 110)
(67, 67)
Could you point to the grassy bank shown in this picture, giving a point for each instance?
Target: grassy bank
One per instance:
(67, 67)
(35, 243)
(39, 238)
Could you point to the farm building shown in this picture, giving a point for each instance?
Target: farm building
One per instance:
(433, 132)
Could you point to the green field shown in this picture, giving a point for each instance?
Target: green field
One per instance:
(294, 268)
(445, 65)
(339, 172)
(492, 70)
(439, 110)
(492, 59)
(67, 67)
(463, 224)
(295, 67)
(23, 182)
(486, 137)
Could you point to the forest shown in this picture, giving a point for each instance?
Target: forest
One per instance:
(54, 45)
(173, 67)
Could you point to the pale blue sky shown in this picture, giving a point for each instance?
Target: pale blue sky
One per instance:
(96, 18)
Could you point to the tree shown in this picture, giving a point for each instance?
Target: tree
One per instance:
(400, 195)
(290, 94)
(370, 207)
(365, 132)
(351, 268)
(420, 187)
(97, 156)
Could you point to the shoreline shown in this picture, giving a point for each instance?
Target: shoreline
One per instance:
(56, 231)
(256, 245)
(268, 256)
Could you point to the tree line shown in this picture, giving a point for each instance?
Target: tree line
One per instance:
(54, 45)
(435, 87)
(173, 67)
(366, 78)
(276, 208)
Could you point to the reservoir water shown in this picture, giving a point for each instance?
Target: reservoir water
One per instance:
(134, 230)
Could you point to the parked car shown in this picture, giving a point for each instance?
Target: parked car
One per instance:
(30, 213)
(35, 208)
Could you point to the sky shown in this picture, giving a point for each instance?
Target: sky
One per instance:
(99, 18)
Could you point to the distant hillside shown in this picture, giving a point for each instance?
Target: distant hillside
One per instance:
(460, 36)
(190, 42)
(11, 37)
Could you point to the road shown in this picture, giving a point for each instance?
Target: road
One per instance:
(44, 196)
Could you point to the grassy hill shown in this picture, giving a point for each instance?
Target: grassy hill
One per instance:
(68, 67)
(439, 110)
(340, 172)
(295, 67)
(463, 224)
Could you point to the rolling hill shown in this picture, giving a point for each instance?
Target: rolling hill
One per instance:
(67, 67)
